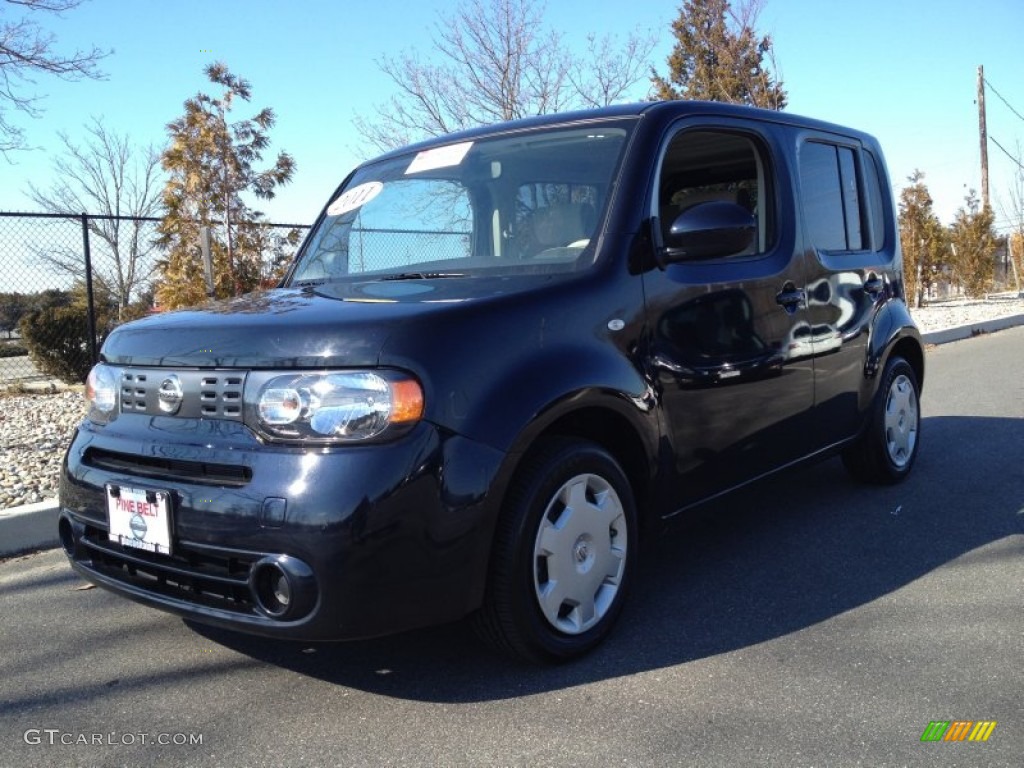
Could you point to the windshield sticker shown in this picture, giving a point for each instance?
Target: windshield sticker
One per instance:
(354, 198)
(440, 157)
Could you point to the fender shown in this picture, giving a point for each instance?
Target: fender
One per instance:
(892, 327)
(529, 358)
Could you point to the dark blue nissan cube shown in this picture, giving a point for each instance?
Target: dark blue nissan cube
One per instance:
(500, 359)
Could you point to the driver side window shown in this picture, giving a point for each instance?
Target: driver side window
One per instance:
(702, 166)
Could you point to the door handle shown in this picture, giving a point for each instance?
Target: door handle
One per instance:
(790, 298)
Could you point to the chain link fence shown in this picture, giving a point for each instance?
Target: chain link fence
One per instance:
(67, 280)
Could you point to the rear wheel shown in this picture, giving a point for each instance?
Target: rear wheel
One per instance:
(563, 555)
(885, 452)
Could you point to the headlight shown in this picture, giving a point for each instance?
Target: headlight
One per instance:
(341, 406)
(101, 393)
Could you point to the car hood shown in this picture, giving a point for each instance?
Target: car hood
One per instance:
(330, 325)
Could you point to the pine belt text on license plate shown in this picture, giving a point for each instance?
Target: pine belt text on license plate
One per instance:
(139, 518)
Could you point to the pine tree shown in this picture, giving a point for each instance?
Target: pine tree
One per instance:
(974, 244)
(719, 56)
(211, 163)
(923, 240)
(1016, 246)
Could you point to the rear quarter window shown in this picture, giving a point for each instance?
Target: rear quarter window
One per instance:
(841, 198)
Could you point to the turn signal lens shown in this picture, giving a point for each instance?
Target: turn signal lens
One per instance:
(407, 401)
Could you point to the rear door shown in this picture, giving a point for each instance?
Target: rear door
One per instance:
(725, 333)
(850, 255)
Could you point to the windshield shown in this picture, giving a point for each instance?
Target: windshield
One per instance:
(528, 202)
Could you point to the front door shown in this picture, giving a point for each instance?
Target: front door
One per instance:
(730, 345)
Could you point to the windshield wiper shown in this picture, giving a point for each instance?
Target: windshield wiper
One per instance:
(422, 275)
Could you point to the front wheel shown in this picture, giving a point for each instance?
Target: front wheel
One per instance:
(886, 450)
(563, 555)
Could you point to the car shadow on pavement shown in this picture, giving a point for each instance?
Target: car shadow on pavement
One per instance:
(778, 557)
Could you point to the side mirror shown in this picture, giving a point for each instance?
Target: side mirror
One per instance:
(709, 231)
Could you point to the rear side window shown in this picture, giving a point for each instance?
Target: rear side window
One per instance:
(874, 195)
(842, 207)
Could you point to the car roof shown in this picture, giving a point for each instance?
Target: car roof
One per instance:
(667, 110)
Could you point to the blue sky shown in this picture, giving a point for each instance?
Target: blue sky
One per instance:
(904, 70)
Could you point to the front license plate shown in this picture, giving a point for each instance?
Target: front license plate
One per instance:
(139, 518)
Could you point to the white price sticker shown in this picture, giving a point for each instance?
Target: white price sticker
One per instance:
(439, 157)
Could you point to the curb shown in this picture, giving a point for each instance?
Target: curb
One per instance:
(967, 331)
(34, 526)
(28, 527)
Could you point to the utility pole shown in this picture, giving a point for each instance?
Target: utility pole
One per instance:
(983, 133)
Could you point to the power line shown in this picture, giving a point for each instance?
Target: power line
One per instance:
(1002, 99)
(1005, 152)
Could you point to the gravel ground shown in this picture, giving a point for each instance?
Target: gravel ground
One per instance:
(952, 314)
(35, 429)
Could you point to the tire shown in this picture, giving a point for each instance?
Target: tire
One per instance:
(885, 452)
(564, 553)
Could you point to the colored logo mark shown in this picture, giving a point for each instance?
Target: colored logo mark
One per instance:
(958, 730)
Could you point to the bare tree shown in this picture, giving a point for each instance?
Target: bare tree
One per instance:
(608, 70)
(109, 177)
(26, 50)
(495, 60)
(1014, 213)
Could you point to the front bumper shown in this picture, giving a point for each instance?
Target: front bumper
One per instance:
(371, 539)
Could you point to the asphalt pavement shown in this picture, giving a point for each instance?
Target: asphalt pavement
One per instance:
(808, 621)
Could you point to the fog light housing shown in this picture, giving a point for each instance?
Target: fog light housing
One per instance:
(282, 587)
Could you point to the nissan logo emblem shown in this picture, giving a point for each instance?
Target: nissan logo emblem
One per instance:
(170, 394)
(138, 527)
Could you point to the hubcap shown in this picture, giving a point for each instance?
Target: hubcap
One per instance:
(580, 554)
(901, 417)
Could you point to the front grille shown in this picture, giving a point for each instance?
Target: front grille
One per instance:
(220, 396)
(133, 391)
(202, 472)
(196, 573)
(204, 394)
